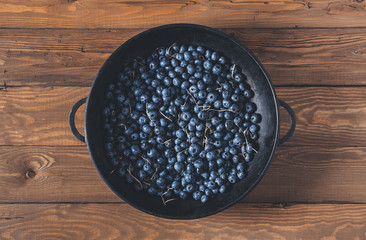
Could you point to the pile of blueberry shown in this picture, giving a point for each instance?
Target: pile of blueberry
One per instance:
(180, 123)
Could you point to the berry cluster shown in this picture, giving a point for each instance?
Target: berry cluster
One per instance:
(181, 123)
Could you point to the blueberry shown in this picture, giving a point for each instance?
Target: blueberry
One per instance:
(146, 128)
(248, 93)
(248, 157)
(253, 128)
(250, 107)
(178, 166)
(152, 153)
(222, 189)
(255, 118)
(197, 195)
(232, 178)
(216, 69)
(190, 188)
(204, 199)
(194, 149)
(210, 155)
(207, 65)
(207, 78)
(198, 164)
(185, 85)
(175, 185)
(240, 175)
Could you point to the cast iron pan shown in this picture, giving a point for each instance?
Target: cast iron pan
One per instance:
(143, 44)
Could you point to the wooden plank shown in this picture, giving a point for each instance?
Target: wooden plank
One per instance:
(242, 221)
(291, 56)
(39, 116)
(325, 116)
(297, 174)
(216, 13)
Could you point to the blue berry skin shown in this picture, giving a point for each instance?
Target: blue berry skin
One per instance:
(180, 134)
(217, 104)
(152, 153)
(248, 157)
(152, 191)
(232, 178)
(248, 94)
(191, 69)
(190, 188)
(183, 195)
(207, 65)
(207, 79)
(198, 164)
(197, 195)
(208, 192)
(240, 175)
(254, 136)
(216, 69)
(210, 156)
(204, 199)
(194, 149)
(222, 60)
(185, 85)
(178, 166)
(223, 189)
(214, 56)
(255, 118)
(175, 185)
(235, 98)
(250, 107)
(253, 128)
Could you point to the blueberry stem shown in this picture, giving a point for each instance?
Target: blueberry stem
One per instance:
(191, 96)
(153, 174)
(186, 131)
(129, 171)
(185, 101)
(169, 200)
(148, 115)
(219, 85)
(232, 71)
(165, 116)
(122, 124)
(166, 141)
(183, 150)
(168, 50)
(162, 196)
(129, 107)
(146, 160)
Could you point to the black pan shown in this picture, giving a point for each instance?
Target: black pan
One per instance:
(144, 43)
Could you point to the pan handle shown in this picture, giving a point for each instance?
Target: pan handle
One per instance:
(293, 121)
(72, 119)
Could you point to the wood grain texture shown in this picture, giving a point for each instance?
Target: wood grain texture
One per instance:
(326, 116)
(242, 221)
(215, 13)
(297, 174)
(72, 57)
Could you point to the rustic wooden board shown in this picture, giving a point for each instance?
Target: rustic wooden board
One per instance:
(326, 116)
(291, 56)
(216, 13)
(297, 174)
(242, 221)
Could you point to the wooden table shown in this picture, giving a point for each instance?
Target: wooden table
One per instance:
(315, 53)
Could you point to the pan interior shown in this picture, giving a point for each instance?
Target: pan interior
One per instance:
(165, 36)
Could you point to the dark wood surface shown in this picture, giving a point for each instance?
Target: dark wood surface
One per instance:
(314, 52)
